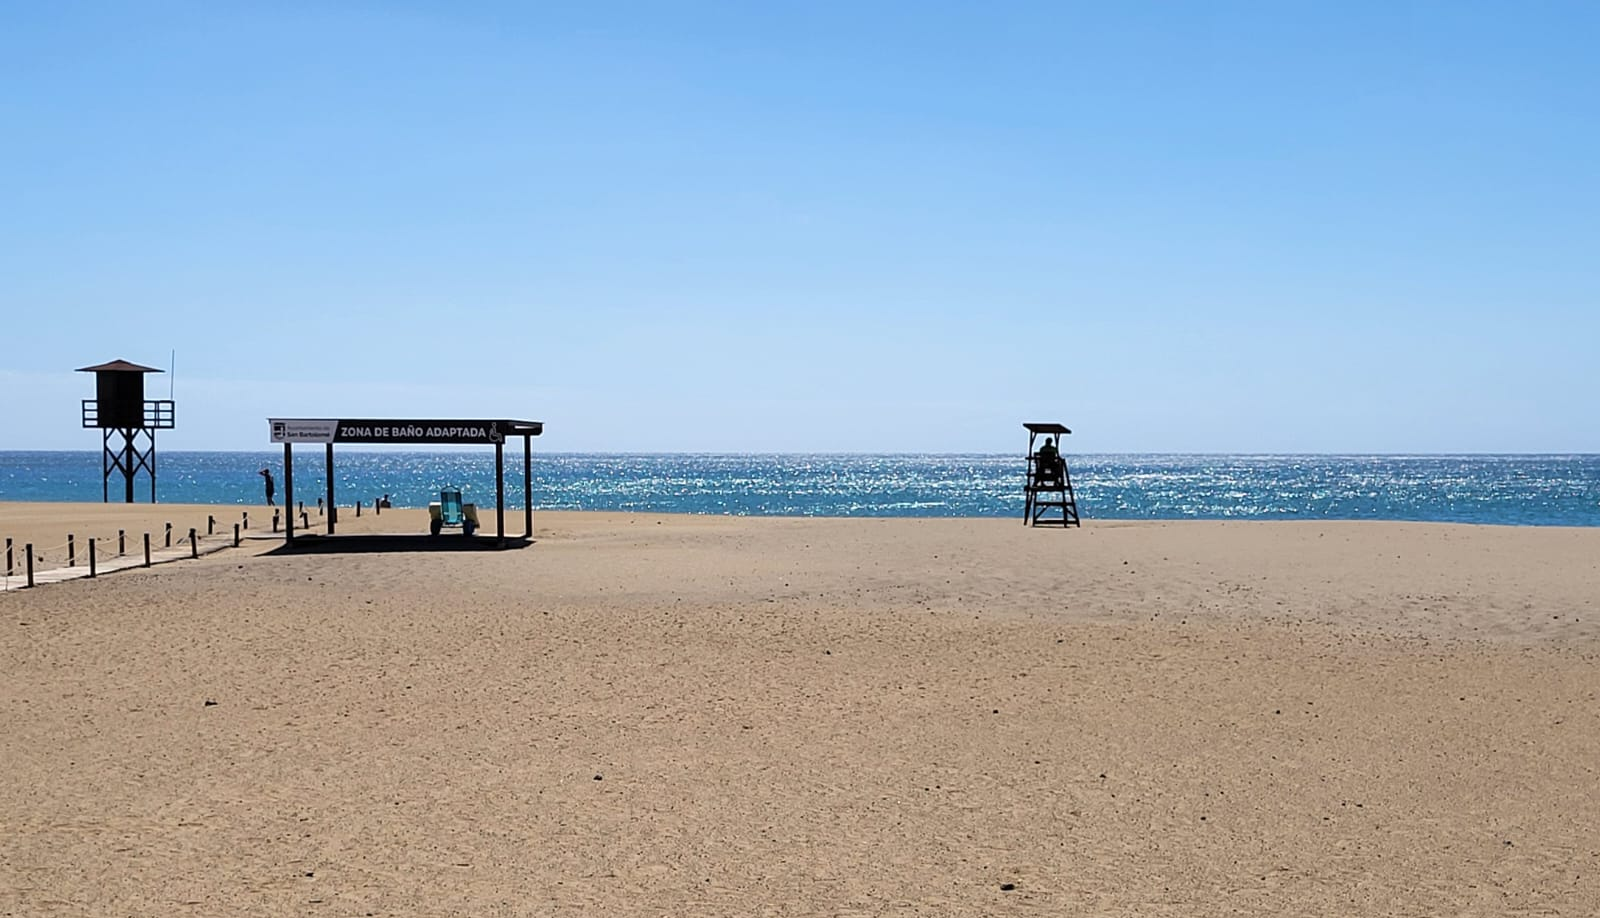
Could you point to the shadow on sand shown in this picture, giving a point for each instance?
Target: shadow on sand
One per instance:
(361, 544)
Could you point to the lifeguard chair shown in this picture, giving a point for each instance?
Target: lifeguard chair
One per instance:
(1050, 501)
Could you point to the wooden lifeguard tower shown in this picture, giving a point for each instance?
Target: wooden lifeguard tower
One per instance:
(119, 407)
(1050, 501)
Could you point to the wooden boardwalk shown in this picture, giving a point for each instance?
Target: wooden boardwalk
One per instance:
(204, 545)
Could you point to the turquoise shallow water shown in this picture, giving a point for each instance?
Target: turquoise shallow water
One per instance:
(1523, 490)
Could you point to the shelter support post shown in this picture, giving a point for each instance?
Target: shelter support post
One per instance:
(527, 486)
(500, 490)
(288, 491)
(333, 510)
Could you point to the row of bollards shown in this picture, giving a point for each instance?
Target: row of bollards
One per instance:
(244, 523)
(27, 553)
(377, 507)
(305, 516)
(122, 546)
(166, 539)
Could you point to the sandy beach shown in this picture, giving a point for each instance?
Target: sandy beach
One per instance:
(689, 715)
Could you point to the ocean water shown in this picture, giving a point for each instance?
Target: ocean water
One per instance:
(1521, 490)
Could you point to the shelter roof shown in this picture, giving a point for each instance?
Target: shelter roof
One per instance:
(118, 366)
(1041, 428)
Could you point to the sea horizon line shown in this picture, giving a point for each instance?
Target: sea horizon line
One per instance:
(1246, 454)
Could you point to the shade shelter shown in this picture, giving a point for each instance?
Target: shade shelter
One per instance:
(415, 431)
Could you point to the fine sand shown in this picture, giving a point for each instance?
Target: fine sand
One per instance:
(676, 715)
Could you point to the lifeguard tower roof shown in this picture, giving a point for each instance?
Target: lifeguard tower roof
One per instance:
(1039, 428)
(119, 366)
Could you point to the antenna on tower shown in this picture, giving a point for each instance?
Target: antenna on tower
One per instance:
(172, 373)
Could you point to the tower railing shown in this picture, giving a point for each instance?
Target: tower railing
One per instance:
(158, 413)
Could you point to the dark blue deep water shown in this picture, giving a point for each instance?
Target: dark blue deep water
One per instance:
(1523, 490)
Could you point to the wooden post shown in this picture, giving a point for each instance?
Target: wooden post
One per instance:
(72, 552)
(333, 509)
(147, 549)
(235, 535)
(358, 509)
(27, 552)
(211, 524)
(9, 567)
(377, 506)
(122, 544)
(500, 491)
(246, 522)
(527, 486)
(288, 494)
(274, 521)
(194, 544)
(305, 521)
(91, 557)
(169, 536)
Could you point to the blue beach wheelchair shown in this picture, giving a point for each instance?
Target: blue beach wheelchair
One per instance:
(448, 510)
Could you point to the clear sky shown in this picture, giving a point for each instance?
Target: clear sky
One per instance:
(855, 226)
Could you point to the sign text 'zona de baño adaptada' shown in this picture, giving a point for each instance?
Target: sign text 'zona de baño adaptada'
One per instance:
(330, 430)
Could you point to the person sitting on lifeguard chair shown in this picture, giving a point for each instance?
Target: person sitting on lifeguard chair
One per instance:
(1049, 466)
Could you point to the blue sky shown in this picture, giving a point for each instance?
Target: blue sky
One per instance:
(1212, 227)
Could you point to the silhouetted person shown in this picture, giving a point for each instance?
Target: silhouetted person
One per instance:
(271, 488)
(1050, 463)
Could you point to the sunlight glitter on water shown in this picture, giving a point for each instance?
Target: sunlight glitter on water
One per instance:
(1530, 490)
